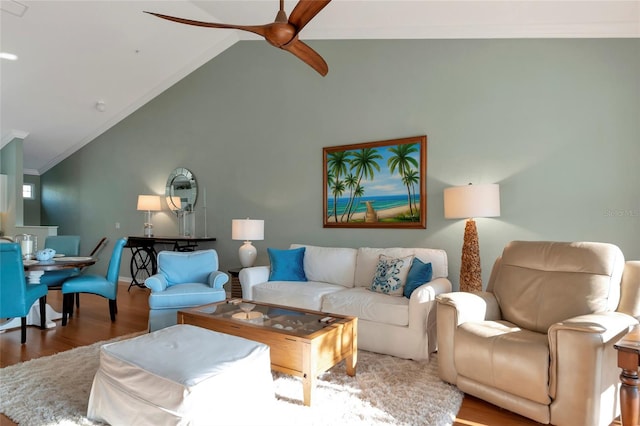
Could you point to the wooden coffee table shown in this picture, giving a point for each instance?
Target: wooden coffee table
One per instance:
(301, 345)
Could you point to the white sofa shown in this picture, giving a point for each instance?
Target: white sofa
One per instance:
(338, 281)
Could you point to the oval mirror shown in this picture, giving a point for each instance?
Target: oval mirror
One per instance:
(181, 191)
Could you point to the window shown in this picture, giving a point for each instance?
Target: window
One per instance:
(28, 192)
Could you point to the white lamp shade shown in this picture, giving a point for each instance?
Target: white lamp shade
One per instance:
(149, 202)
(247, 229)
(468, 201)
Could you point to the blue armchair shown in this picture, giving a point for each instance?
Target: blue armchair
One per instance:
(16, 296)
(184, 280)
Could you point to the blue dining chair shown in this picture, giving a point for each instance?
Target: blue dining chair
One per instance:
(69, 245)
(16, 295)
(106, 286)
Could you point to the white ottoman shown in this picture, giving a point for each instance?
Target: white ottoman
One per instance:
(182, 375)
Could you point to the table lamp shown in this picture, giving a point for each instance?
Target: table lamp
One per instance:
(247, 230)
(149, 203)
(467, 202)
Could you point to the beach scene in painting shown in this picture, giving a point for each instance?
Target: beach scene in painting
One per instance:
(374, 184)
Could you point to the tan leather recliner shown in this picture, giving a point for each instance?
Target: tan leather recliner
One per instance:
(539, 340)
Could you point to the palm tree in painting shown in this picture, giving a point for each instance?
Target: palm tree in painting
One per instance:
(411, 179)
(351, 181)
(358, 193)
(337, 166)
(337, 189)
(365, 164)
(402, 160)
(330, 183)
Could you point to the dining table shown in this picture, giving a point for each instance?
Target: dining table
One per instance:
(34, 269)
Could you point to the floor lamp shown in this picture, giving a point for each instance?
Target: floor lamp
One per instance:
(468, 202)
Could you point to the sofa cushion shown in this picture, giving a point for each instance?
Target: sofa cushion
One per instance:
(391, 275)
(287, 265)
(419, 273)
(501, 352)
(367, 305)
(367, 261)
(535, 279)
(333, 265)
(303, 295)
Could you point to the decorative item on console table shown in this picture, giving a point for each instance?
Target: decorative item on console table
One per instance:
(181, 193)
(148, 203)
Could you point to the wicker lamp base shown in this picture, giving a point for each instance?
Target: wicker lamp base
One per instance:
(470, 272)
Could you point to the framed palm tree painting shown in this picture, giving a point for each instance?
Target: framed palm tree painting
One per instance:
(376, 184)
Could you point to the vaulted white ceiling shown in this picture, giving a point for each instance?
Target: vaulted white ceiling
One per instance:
(85, 65)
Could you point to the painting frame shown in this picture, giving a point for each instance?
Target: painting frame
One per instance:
(350, 170)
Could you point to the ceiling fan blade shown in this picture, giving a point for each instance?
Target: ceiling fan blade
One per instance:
(304, 12)
(308, 55)
(256, 29)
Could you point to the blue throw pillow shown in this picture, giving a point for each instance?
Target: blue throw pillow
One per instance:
(287, 265)
(419, 274)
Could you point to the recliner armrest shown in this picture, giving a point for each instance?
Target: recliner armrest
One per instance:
(217, 279)
(584, 344)
(479, 306)
(250, 277)
(156, 282)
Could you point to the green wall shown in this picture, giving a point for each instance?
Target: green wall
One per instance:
(32, 207)
(555, 122)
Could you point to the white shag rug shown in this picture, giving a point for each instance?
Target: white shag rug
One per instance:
(54, 390)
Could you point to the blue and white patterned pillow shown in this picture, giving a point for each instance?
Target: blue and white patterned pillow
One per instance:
(391, 275)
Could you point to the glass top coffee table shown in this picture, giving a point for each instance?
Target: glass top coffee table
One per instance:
(303, 343)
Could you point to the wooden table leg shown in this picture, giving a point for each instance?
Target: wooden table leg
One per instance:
(351, 361)
(629, 397)
(308, 385)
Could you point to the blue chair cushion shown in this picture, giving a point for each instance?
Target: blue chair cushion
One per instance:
(185, 295)
(419, 274)
(56, 278)
(90, 283)
(287, 265)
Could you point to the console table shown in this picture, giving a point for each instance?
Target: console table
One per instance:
(144, 258)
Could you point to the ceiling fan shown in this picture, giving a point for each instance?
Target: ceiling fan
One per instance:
(282, 33)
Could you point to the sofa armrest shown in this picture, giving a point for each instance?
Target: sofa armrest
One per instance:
(156, 283)
(250, 277)
(217, 279)
(583, 357)
(422, 302)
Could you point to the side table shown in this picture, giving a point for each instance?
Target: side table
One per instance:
(236, 288)
(628, 360)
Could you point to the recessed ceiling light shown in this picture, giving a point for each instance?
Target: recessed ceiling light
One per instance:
(9, 56)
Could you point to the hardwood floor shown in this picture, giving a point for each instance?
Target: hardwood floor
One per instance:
(91, 324)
